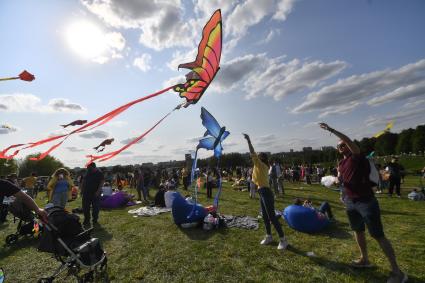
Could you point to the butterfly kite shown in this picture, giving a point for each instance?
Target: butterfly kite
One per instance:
(24, 76)
(386, 130)
(212, 140)
(202, 71)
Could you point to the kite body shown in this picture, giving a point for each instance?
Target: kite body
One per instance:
(206, 64)
(75, 123)
(103, 144)
(24, 76)
(386, 130)
(214, 135)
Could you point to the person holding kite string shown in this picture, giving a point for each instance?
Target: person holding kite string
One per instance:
(361, 204)
(260, 177)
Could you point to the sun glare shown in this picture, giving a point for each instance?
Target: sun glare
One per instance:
(86, 39)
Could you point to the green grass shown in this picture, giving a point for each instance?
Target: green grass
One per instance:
(153, 249)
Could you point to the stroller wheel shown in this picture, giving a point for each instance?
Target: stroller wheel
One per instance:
(11, 239)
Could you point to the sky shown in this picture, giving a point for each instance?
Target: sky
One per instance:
(286, 66)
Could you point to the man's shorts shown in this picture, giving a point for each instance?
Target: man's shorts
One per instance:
(365, 212)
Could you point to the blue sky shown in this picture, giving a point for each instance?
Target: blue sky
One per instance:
(286, 66)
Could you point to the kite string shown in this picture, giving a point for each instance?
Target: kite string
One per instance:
(110, 155)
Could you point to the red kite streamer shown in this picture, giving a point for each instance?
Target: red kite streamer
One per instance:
(203, 71)
(24, 76)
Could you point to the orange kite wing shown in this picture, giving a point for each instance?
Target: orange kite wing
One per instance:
(207, 62)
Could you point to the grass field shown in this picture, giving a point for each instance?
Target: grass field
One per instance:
(153, 249)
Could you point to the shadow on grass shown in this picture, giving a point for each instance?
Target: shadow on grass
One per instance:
(22, 243)
(336, 230)
(198, 234)
(366, 274)
(101, 233)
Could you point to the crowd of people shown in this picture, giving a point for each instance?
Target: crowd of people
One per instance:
(265, 178)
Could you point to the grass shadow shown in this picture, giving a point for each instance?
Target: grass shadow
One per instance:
(198, 234)
(101, 233)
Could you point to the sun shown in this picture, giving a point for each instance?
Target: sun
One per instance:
(86, 39)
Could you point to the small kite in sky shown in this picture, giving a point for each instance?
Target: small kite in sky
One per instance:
(103, 144)
(75, 123)
(24, 76)
(203, 71)
(386, 130)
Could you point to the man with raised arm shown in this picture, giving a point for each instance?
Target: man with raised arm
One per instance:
(361, 204)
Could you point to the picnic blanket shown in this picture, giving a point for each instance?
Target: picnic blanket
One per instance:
(148, 211)
(243, 222)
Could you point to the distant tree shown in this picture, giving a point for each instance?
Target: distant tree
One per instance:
(418, 139)
(385, 144)
(404, 142)
(8, 166)
(44, 167)
(367, 145)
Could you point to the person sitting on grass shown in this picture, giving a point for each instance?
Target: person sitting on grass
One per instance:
(361, 204)
(260, 176)
(324, 210)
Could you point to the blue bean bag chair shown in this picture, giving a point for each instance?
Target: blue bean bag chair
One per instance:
(181, 209)
(304, 219)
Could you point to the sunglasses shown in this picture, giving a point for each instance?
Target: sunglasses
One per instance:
(341, 145)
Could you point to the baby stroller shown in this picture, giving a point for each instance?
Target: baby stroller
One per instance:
(79, 254)
(26, 224)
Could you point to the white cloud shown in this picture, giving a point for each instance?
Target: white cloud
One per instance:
(64, 105)
(7, 129)
(405, 116)
(180, 57)
(143, 62)
(127, 141)
(161, 22)
(164, 24)
(74, 149)
(401, 93)
(356, 88)
(31, 103)
(341, 109)
(260, 75)
(96, 134)
(412, 103)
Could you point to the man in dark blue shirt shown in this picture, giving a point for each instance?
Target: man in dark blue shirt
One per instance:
(91, 189)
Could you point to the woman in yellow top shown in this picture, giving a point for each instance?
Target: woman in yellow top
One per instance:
(260, 177)
(60, 187)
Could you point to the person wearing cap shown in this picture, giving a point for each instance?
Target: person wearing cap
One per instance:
(362, 206)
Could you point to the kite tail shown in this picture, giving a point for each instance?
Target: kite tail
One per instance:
(195, 188)
(112, 154)
(89, 126)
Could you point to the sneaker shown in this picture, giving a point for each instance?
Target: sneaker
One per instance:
(267, 240)
(361, 263)
(283, 244)
(397, 278)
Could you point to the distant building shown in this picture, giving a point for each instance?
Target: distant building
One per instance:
(307, 148)
(291, 150)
